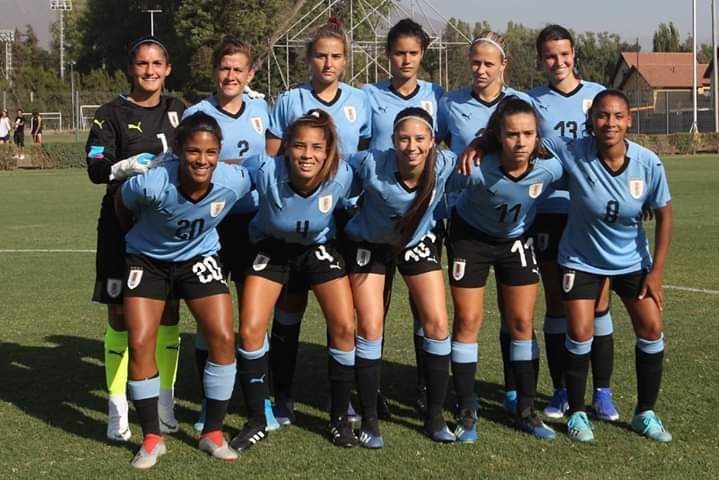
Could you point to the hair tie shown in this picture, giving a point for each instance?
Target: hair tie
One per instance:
(416, 117)
(490, 41)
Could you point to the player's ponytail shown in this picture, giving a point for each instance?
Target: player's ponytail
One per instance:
(190, 125)
(317, 118)
(331, 29)
(407, 225)
(510, 105)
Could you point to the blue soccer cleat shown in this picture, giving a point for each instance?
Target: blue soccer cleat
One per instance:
(272, 423)
(466, 429)
(579, 428)
(370, 436)
(558, 405)
(648, 424)
(510, 402)
(284, 410)
(603, 405)
(437, 430)
(531, 423)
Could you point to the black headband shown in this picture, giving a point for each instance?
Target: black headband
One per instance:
(147, 40)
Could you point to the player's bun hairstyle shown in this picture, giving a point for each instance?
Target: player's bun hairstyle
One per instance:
(190, 125)
(331, 29)
(552, 33)
(230, 46)
(146, 40)
(407, 28)
(510, 105)
(407, 225)
(317, 118)
(610, 92)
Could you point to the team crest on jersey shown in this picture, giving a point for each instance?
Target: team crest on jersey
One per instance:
(174, 119)
(363, 257)
(427, 106)
(636, 188)
(260, 262)
(458, 267)
(135, 277)
(568, 281)
(535, 189)
(350, 113)
(216, 208)
(325, 203)
(542, 241)
(114, 287)
(257, 124)
(586, 104)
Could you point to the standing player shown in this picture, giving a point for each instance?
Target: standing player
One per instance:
(402, 187)
(327, 57)
(294, 233)
(171, 254)
(609, 180)
(5, 127)
(490, 228)
(36, 127)
(463, 116)
(142, 122)
(243, 119)
(19, 135)
(562, 106)
(407, 43)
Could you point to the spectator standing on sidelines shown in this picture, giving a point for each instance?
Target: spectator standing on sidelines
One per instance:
(4, 127)
(36, 127)
(19, 135)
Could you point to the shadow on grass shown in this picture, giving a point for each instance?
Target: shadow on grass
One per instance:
(59, 383)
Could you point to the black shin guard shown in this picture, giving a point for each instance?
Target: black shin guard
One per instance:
(649, 378)
(419, 360)
(148, 416)
(602, 360)
(215, 414)
(505, 342)
(526, 385)
(253, 376)
(341, 377)
(463, 376)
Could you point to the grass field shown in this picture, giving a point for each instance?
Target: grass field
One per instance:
(53, 403)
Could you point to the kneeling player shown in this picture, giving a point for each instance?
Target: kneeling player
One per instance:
(171, 253)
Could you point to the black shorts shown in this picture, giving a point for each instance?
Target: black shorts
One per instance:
(236, 249)
(196, 278)
(547, 231)
(577, 285)
(19, 139)
(306, 265)
(472, 252)
(426, 256)
(110, 254)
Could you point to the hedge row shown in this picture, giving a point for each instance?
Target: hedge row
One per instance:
(71, 155)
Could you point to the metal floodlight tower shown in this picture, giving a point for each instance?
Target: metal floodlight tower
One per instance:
(61, 6)
(8, 38)
(368, 27)
(152, 13)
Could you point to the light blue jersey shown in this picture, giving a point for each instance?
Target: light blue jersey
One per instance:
(386, 199)
(286, 215)
(463, 117)
(499, 205)
(562, 115)
(349, 110)
(385, 103)
(604, 233)
(243, 135)
(169, 226)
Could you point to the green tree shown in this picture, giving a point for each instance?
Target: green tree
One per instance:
(667, 39)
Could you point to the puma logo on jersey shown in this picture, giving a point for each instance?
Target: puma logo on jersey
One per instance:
(382, 109)
(468, 116)
(258, 379)
(99, 123)
(138, 126)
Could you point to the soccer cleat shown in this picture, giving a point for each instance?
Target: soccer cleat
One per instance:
(603, 405)
(420, 403)
(118, 427)
(341, 433)
(199, 425)
(558, 405)
(272, 423)
(437, 430)
(383, 410)
(510, 402)
(283, 410)
(251, 434)
(648, 424)
(168, 422)
(531, 423)
(352, 415)
(144, 459)
(370, 436)
(221, 452)
(466, 429)
(579, 428)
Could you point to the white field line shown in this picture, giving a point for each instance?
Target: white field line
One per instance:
(689, 289)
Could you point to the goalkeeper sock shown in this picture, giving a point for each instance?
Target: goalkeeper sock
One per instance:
(116, 357)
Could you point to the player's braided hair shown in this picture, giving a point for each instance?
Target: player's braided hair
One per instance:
(331, 29)
(510, 105)
(407, 28)
(192, 124)
(610, 92)
(317, 118)
(407, 225)
(229, 46)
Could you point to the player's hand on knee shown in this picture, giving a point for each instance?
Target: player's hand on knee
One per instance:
(652, 288)
(131, 166)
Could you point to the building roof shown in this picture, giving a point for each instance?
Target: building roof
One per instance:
(665, 70)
